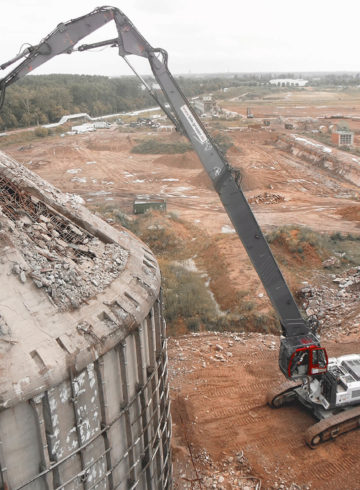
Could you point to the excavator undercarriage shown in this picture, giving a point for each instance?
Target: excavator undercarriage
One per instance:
(332, 398)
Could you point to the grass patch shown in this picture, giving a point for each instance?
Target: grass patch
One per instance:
(248, 322)
(303, 243)
(23, 137)
(347, 247)
(186, 299)
(156, 147)
(310, 248)
(161, 239)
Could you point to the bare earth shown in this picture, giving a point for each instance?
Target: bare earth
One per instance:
(225, 436)
(100, 168)
(220, 413)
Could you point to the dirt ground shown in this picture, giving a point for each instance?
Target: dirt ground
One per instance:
(303, 103)
(100, 167)
(224, 434)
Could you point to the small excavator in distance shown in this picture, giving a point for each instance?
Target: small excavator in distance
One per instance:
(330, 388)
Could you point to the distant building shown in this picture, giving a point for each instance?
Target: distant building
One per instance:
(205, 105)
(153, 86)
(342, 136)
(288, 82)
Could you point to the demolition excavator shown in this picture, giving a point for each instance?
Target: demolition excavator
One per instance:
(330, 388)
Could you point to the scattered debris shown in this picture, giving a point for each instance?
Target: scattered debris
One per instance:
(335, 307)
(266, 198)
(331, 262)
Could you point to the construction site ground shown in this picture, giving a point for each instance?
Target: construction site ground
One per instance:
(225, 436)
(224, 432)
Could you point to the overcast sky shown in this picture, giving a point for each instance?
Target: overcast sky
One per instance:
(201, 36)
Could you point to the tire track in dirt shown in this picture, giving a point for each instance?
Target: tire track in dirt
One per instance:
(229, 416)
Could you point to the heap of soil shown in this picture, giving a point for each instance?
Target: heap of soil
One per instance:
(202, 180)
(188, 159)
(350, 213)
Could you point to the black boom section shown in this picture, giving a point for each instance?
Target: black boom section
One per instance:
(234, 202)
(61, 40)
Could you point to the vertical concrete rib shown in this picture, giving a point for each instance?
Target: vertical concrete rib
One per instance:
(78, 431)
(156, 415)
(99, 369)
(3, 468)
(128, 425)
(165, 422)
(143, 399)
(49, 431)
(37, 405)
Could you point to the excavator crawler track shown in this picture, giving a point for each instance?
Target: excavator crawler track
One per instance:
(330, 428)
(281, 395)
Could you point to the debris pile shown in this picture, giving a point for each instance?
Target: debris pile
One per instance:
(336, 307)
(233, 472)
(68, 262)
(212, 353)
(266, 198)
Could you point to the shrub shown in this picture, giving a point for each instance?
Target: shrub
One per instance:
(297, 240)
(123, 219)
(162, 240)
(41, 132)
(186, 296)
(193, 324)
(336, 237)
(223, 142)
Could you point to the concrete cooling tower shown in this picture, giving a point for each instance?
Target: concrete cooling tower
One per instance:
(84, 400)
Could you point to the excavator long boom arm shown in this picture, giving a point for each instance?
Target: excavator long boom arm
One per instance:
(129, 41)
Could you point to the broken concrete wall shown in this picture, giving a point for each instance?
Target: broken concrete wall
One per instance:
(83, 391)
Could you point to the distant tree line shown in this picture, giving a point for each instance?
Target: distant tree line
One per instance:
(336, 79)
(46, 98)
(42, 99)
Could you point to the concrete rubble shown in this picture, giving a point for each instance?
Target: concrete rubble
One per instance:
(336, 306)
(69, 263)
(233, 472)
(69, 270)
(266, 198)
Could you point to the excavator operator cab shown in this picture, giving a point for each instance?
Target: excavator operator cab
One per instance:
(302, 356)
